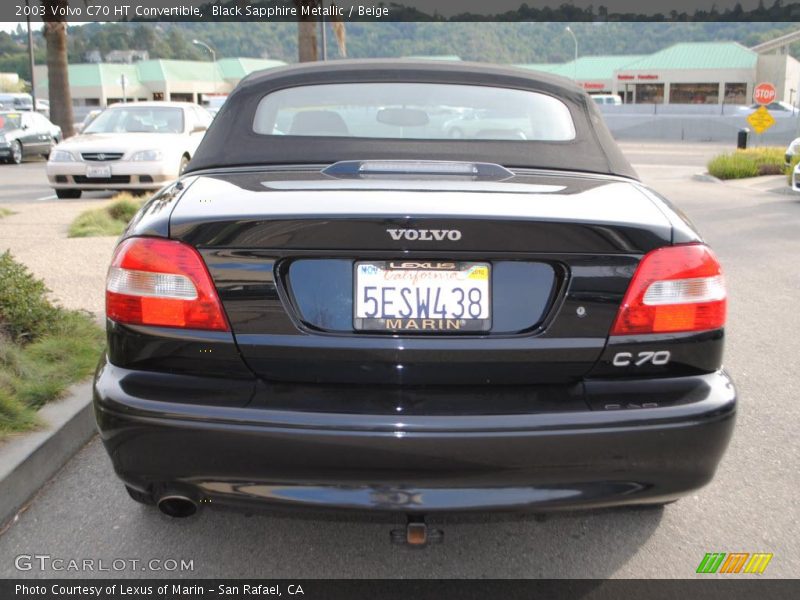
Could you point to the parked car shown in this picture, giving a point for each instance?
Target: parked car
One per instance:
(795, 181)
(87, 120)
(501, 122)
(489, 123)
(607, 99)
(26, 134)
(214, 102)
(792, 150)
(43, 107)
(777, 109)
(136, 146)
(382, 319)
(16, 101)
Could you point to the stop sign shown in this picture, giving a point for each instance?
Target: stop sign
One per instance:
(764, 93)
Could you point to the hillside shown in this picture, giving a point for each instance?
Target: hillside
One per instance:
(494, 42)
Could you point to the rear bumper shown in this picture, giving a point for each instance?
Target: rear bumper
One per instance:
(410, 462)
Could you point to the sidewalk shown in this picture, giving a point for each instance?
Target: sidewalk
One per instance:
(73, 269)
(775, 184)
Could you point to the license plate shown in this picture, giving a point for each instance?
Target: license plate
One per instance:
(98, 172)
(422, 297)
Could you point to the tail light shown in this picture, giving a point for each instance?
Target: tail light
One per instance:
(164, 283)
(674, 289)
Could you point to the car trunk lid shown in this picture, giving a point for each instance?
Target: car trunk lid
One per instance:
(283, 246)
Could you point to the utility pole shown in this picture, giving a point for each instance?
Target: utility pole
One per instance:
(324, 38)
(30, 57)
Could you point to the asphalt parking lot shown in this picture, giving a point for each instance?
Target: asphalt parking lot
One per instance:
(28, 183)
(751, 506)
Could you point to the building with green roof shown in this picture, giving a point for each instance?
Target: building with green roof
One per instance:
(691, 73)
(543, 67)
(685, 73)
(101, 84)
(594, 73)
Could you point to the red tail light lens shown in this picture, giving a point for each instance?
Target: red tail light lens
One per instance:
(674, 289)
(163, 283)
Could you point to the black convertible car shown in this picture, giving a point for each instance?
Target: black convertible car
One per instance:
(339, 305)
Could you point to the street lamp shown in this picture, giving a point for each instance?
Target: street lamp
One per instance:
(30, 60)
(213, 59)
(574, 64)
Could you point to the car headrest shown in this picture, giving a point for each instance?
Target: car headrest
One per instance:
(318, 122)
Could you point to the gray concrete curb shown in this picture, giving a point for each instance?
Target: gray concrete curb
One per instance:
(29, 460)
(706, 177)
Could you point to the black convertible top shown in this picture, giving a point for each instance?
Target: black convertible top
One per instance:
(231, 141)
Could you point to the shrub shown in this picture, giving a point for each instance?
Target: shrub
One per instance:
(94, 223)
(43, 348)
(732, 166)
(125, 207)
(107, 221)
(25, 311)
(65, 354)
(751, 162)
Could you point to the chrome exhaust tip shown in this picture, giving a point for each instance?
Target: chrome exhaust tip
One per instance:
(178, 507)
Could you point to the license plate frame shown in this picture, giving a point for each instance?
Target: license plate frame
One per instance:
(478, 273)
(98, 171)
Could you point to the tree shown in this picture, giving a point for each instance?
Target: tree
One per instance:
(306, 31)
(55, 34)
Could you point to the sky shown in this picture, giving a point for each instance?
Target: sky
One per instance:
(5, 26)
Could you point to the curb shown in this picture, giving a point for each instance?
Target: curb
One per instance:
(29, 460)
(706, 177)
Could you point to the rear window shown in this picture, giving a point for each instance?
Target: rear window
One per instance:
(417, 111)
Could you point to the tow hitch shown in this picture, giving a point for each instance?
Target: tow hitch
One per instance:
(417, 533)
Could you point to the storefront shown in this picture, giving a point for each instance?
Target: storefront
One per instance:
(691, 73)
(595, 74)
(711, 73)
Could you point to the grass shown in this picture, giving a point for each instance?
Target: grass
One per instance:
(108, 221)
(4, 212)
(33, 374)
(751, 162)
(43, 348)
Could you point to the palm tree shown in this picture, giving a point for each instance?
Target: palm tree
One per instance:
(55, 34)
(307, 32)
